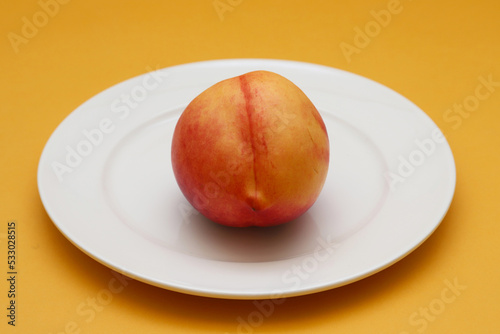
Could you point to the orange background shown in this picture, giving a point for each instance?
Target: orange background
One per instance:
(432, 52)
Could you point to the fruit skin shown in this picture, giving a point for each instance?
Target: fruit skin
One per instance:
(251, 151)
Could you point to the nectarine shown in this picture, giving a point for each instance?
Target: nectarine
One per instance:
(251, 151)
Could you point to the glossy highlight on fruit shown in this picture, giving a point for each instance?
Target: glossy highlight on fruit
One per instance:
(251, 151)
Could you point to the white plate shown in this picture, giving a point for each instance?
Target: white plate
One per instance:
(105, 180)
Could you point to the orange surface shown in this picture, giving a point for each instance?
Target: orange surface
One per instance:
(444, 56)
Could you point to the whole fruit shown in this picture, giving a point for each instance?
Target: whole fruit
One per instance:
(251, 151)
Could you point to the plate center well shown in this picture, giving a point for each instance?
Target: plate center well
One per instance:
(142, 191)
